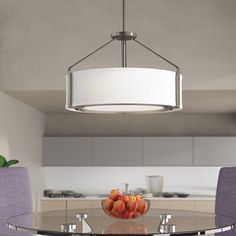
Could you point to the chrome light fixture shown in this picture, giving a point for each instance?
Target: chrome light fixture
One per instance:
(123, 89)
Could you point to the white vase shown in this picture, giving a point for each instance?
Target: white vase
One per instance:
(155, 184)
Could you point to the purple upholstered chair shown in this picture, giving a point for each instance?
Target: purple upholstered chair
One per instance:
(15, 196)
(226, 196)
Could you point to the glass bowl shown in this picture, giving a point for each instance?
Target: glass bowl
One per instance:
(125, 210)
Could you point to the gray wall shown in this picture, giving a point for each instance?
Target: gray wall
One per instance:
(40, 39)
(171, 124)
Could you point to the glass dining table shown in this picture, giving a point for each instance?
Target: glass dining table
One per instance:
(96, 222)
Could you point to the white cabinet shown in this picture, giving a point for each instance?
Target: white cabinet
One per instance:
(117, 151)
(167, 151)
(214, 151)
(67, 151)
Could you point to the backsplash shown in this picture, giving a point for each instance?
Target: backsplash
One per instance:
(100, 180)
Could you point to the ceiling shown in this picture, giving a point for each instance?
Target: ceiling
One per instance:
(39, 39)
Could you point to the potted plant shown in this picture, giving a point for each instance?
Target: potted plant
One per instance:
(5, 163)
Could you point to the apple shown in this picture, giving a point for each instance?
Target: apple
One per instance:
(108, 204)
(119, 206)
(132, 198)
(142, 207)
(115, 194)
(132, 205)
(124, 198)
(127, 214)
(115, 213)
(136, 214)
(138, 198)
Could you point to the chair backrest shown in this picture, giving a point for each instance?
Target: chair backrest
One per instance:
(15, 196)
(226, 195)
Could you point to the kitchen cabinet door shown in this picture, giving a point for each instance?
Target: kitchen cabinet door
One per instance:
(160, 204)
(78, 204)
(53, 205)
(117, 151)
(214, 151)
(205, 206)
(182, 205)
(96, 204)
(167, 151)
(67, 151)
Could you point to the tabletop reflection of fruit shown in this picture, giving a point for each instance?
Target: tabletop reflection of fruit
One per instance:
(123, 206)
(126, 227)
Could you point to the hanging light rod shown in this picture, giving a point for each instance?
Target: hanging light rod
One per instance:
(123, 89)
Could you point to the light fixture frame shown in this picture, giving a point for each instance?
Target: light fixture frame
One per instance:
(123, 36)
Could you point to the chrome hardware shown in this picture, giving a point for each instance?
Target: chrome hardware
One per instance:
(81, 216)
(165, 218)
(165, 227)
(70, 228)
(85, 226)
(124, 35)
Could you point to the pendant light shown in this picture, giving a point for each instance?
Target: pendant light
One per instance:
(123, 89)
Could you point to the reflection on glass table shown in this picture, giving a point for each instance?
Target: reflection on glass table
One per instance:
(96, 222)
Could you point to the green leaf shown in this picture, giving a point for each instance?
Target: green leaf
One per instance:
(3, 161)
(11, 162)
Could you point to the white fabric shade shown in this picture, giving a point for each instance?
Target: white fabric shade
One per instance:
(124, 90)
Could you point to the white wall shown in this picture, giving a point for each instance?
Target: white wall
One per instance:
(21, 132)
(93, 180)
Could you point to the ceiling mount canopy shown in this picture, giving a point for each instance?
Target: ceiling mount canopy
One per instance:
(123, 89)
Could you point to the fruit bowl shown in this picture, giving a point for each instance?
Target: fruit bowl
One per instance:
(125, 206)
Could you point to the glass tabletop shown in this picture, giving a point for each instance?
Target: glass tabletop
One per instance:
(96, 222)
